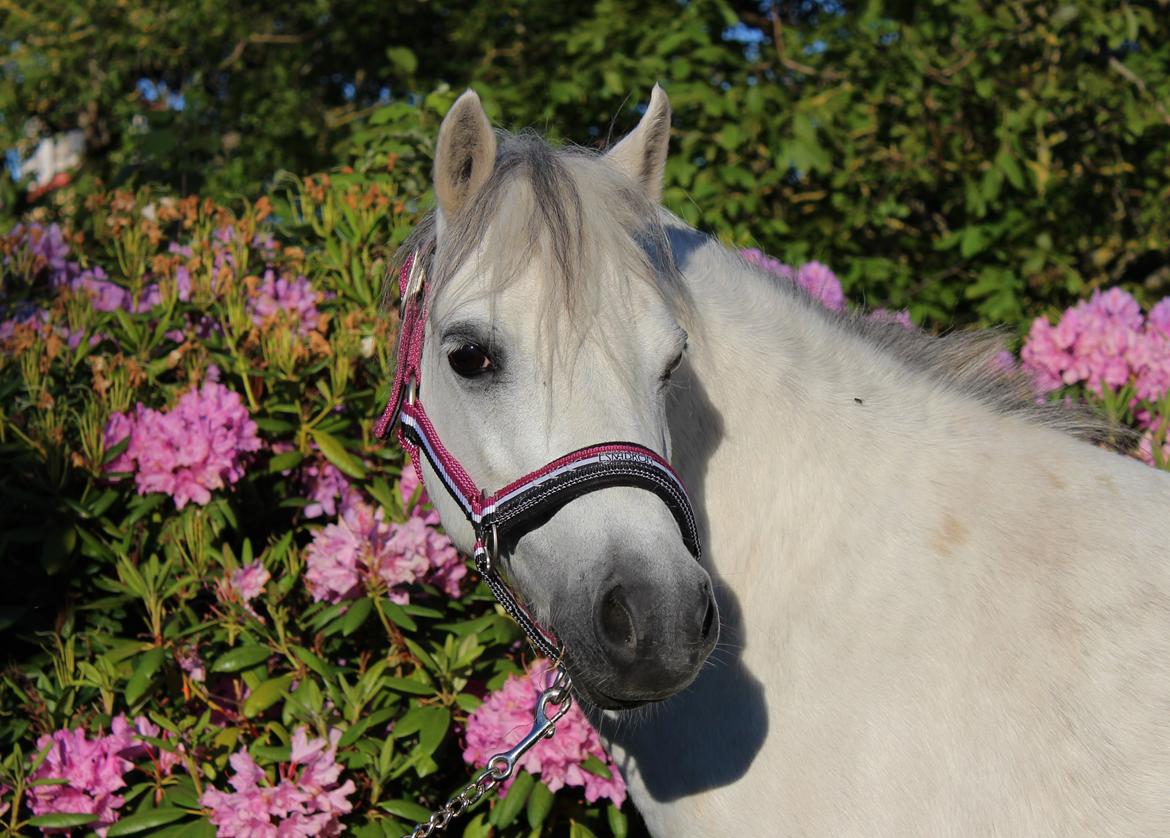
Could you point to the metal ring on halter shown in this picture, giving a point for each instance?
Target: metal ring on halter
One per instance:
(493, 545)
(490, 539)
(411, 391)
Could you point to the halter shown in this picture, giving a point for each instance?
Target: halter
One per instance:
(527, 502)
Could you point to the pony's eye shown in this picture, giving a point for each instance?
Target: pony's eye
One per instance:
(674, 365)
(469, 360)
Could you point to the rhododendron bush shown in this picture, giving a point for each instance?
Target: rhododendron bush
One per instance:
(227, 609)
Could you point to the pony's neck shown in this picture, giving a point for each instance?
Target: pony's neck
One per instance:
(790, 420)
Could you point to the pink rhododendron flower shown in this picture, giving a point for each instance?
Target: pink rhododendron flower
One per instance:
(814, 277)
(506, 715)
(1150, 359)
(760, 259)
(1158, 320)
(885, 315)
(93, 770)
(1103, 342)
(119, 427)
(408, 484)
(328, 489)
(244, 584)
(4, 804)
(1093, 343)
(306, 801)
(164, 759)
(192, 664)
(344, 558)
(417, 543)
(1146, 449)
(48, 246)
(277, 297)
(822, 283)
(189, 451)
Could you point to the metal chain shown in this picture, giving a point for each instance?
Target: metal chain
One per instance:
(501, 766)
(467, 797)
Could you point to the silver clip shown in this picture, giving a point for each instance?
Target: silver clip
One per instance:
(543, 726)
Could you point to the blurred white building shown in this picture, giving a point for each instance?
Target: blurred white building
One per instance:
(54, 155)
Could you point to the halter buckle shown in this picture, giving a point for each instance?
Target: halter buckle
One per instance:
(411, 391)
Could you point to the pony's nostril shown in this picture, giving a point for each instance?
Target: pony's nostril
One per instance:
(708, 617)
(617, 624)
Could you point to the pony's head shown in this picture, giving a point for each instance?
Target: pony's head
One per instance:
(555, 321)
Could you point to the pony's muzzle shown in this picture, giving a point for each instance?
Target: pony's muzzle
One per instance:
(654, 638)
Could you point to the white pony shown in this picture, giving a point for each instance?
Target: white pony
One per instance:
(941, 612)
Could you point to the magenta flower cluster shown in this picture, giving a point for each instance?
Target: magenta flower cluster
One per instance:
(49, 244)
(1107, 345)
(91, 772)
(1103, 342)
(243, 585)
(346, 557)
(506, 715)
(414, 495)
(306, 800)
(819, 281)
(278, 297)
(189, 451)
(327, 489)
(814, 277)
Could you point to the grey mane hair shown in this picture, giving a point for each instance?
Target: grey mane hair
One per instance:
(968, 363)
(566, 207)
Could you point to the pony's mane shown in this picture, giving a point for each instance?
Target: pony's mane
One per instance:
(571, 209)
(974, 363)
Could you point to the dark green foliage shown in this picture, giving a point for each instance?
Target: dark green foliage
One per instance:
(975, 161)
(971, 160)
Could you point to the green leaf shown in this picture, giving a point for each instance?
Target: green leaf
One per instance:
(597, 768)
(140, 681)
(974, 240)
(477, 828)
(398, 616)
(201, 828)
(360, 727)
(467, 702)
(403, 59)
(103, 502)
(406, 809)
(430, 723)
(540, 803)
(133, 824)
(241, 657)
(335, 452)
(285, 461)
(356, 615)
(407, 685)
(274, 426)
(313, 661)
(62, 820)
(265, 695)
(508, 809)
(619, 824)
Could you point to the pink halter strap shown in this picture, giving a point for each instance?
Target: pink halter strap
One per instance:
(526, 502)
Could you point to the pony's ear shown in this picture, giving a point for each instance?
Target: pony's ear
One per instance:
(642, 153)
(464, 155)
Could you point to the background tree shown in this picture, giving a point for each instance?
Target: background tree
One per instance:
(970, 160)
